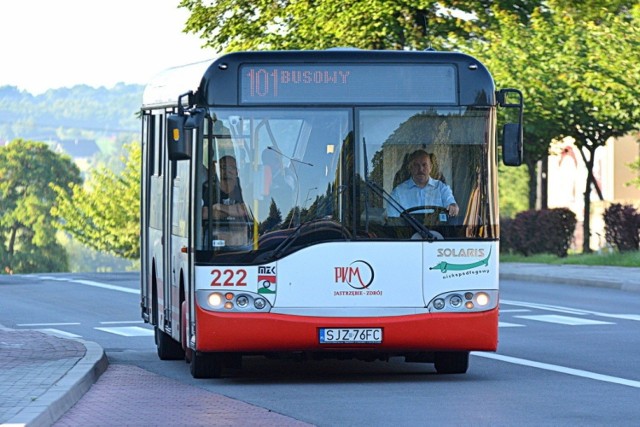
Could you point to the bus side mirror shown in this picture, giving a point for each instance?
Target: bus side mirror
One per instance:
(512, 144)
(178, 138)
(512, 140)
(180, 133)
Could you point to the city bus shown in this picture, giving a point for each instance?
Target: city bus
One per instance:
(270, 221)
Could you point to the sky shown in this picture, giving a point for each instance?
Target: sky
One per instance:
(49, 44)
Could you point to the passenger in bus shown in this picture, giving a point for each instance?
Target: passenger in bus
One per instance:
(421, 189)
(277, 184)
(230, 203)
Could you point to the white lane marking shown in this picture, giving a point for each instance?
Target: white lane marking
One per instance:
(128, 331)
(95, 284)
(560, 369)
(120, 322)
(48, 324)
(107, 286)
(571, 310)
(565, 320)
(59, 333)
(508, 325)
(546, 307)
(515, 310)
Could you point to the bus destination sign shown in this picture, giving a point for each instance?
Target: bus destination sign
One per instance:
(348, 83)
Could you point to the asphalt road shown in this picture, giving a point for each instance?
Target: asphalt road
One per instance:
(567, 355)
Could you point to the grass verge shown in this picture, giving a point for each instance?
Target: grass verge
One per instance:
(617, 259)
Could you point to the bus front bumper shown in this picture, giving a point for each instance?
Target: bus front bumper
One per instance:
(267, 332)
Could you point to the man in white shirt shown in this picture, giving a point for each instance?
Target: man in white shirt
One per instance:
(421, 189)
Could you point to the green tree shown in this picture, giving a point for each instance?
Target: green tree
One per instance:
(519, 56)
(104, 213)
(231, 25)
(27, 229)
(598, 95)
(577, 67)
(273, 220)
(635, 166)
(512, 190)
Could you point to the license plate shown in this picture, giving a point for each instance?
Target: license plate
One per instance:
(350, 335)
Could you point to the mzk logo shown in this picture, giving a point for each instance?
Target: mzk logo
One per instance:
(445, 266)
(266, 279)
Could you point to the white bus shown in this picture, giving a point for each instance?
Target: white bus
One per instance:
(271, 222)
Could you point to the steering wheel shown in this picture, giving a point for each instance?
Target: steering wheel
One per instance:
(435, 215)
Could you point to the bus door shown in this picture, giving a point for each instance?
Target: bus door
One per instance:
(145, 273)
(178, 244)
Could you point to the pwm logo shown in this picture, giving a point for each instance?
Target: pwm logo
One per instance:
(359, 274)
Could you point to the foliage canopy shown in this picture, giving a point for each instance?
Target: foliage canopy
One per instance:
(27, 230)
(104, 214)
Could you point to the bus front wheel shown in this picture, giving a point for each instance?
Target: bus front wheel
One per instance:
(452, 362)
(206, 365)
(168, 348)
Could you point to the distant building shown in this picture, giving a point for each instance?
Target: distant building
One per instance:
(567, 177)
(78, 148)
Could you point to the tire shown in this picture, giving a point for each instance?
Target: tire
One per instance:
(452, 362)
(168, 348)
(206, 365)
(183, 327)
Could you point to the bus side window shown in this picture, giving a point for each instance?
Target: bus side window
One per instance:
(157, 145)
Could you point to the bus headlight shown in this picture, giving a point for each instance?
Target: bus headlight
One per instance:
(215, 300)
(482, 299)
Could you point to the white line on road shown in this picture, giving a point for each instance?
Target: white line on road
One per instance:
(570, 310)
(565, 320)
(129, 331)
(508, 325)
(95, 284)
(560, 369)
(120, 322)
(48, 324)
(106, 286)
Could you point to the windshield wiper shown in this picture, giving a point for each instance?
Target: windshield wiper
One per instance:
(292, 237)
(413, 222)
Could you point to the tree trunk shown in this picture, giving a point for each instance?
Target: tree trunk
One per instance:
(533, 184)
(544, 183)
(12, 240)
(586, 226)
(586, 223)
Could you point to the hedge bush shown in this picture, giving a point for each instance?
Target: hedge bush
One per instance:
(534, 232)
(622, 227)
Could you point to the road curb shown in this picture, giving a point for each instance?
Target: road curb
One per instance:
(67, 391)
(624, 278)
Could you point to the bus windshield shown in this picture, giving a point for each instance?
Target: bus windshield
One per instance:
(272, 181)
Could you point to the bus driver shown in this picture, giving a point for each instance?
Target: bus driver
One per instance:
(421, 189)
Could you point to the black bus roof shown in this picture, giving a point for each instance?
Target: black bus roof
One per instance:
(476, 86)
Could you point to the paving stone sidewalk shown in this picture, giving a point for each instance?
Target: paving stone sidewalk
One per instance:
(42, 376)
